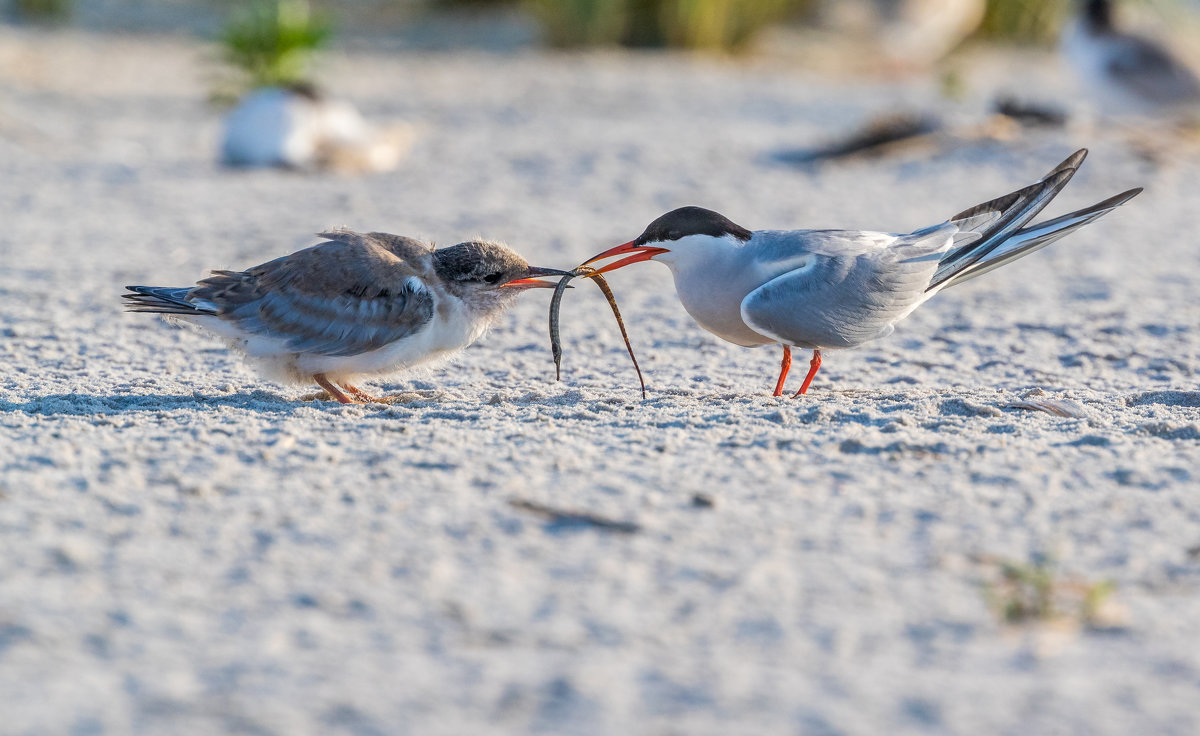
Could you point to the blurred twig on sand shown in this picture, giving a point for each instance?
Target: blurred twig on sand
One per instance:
(1037, 591)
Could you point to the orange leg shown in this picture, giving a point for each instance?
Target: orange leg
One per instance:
(334, 391)
(360, 393)
(813, 366)
(783, 370)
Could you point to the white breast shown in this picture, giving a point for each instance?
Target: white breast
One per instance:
(712, 277)
(451, 329)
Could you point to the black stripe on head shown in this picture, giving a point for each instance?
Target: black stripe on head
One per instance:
(479, 262)
(687, 221)
(1099, 14)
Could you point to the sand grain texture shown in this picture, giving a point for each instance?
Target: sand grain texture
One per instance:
(187, 549)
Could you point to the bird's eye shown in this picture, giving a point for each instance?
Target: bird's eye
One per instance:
(493, 278)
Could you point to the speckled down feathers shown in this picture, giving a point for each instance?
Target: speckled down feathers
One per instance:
(357, 304)
(342, 297)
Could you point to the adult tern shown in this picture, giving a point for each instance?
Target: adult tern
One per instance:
(826, 289)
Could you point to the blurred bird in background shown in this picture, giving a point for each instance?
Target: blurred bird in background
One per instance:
(299, 127)
(1126, 74)
(280, 117)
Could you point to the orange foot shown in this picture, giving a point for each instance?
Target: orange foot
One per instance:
(324, 382)
(813, 366)
(359, 393)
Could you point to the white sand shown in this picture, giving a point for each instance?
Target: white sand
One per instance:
(188, 549)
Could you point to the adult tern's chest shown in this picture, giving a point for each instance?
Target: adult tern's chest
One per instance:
(712, 294)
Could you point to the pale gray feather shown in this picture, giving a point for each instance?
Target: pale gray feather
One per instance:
(851, 288)
(837, 289)
(348, 296)
(984, 227)
(1036, 237)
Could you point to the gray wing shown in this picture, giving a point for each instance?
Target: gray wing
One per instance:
(337, 298)
(407, 249)
(1152, 72)
(845, 288)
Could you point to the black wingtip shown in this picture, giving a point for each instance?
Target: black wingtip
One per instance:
(163, 300)
(1054, 181)
(1070, 162)
(1116, 200)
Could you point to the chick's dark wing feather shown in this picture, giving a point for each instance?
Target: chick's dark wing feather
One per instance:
(338, 298)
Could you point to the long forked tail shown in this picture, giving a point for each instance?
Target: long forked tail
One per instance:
(994, 233)
(161, 300)
(1036, 237)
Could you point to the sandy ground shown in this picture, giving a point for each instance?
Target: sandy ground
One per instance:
(188, 549)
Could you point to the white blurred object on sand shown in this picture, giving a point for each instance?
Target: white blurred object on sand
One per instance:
(298, 128)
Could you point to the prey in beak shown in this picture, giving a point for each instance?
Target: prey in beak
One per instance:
(530, 279)
(556, 304)
(639, 253)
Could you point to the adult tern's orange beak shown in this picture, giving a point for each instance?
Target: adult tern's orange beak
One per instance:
(531, 282)
(640, 253)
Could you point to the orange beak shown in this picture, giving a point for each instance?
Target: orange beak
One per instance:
(532, 282)
(528, 284)
(640, 253)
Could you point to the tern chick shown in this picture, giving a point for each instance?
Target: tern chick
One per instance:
(354, 306)
(824, 289)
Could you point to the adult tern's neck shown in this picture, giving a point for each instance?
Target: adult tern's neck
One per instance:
(712, 277)
(701, 254)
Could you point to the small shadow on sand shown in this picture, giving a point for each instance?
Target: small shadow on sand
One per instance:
(559, 521)
(84, 405)
(1168, 398)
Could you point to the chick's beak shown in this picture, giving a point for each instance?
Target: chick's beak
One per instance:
(640, 253)
(530, 281)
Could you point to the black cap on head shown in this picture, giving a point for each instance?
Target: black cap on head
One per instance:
(687, 221)
(479, 262)
(1098, 14)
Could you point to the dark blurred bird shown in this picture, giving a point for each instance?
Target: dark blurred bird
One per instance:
(356, 305)
(1125, 73)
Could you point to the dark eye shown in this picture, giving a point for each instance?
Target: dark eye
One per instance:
(493, 278)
